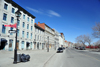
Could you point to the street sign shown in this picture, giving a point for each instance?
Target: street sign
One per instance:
(12, 31)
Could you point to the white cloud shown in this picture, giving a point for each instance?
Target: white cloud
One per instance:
(34, 10)
(53, 13)
(49, 13)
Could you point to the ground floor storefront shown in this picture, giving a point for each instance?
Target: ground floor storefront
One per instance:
(9, 44)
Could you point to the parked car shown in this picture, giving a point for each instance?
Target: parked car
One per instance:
(81, 48)
(59, 50)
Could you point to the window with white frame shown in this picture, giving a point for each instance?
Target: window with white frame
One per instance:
(5, 17)
(3, 29)
(13, 10)
(23, 16)
(5, 6)
(12, 19)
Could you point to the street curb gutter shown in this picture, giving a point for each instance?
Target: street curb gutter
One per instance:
(48, 59)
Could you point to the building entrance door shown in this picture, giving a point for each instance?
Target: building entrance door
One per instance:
(22, 45)
(17, 44)
(10, 45)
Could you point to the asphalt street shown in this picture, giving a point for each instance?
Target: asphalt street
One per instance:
(74, 58)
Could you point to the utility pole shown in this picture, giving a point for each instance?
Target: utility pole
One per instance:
(48, 45)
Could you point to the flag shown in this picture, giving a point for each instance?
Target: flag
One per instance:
(14, 25)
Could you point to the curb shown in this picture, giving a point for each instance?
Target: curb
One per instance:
(48, 59)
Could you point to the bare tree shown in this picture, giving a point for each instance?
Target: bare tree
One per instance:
(88, 39)
(96, 30)
(81, 39)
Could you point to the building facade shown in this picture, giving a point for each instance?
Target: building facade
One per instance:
(56, 39)
(61, 40)
(39, 37)
(25, 32)
(49, 34)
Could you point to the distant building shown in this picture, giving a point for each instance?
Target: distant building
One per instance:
(39, 37)
(61, 40)
(49, 35)
(25, 26)
(56, 38)
(66, 43)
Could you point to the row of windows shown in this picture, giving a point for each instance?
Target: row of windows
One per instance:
(39, 31)
(13, 11)
(6, 8)
(37, 37)
(23, 33)
(18, 23)
(12, 19)
(23, 25)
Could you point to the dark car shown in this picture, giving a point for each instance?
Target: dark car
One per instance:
(59, 50)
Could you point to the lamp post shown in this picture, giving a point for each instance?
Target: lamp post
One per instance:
(48, 45)
(18, 14)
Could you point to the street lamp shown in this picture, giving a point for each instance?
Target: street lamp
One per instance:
(17, 14)
(48, 44)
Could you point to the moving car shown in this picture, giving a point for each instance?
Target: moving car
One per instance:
(59, 50)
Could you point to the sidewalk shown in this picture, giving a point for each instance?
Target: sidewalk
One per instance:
(38, 58)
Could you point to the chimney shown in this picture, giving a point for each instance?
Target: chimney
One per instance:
(38, 22)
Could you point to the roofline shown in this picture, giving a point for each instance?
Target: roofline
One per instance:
(19, 7)
(38, 27)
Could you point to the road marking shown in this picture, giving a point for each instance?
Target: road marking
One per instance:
(93, 57)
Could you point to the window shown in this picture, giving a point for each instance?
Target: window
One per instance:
(35, 29)
(13, 10)
(35, 37)
(31, 28)
(27, 35)
(23, 16)
(3, 29)
(27, 26)
(22, 45)
(18, 32)
(23, 34)
(11, 29)
(31, 21)
(18, 23)
(27, 18)
(12, 19)
(31, 35)
(38, 37)
(5, 6)
(40, 31)
(4, 17)
(23, 24)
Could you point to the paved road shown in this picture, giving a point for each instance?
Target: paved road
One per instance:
(74, 58)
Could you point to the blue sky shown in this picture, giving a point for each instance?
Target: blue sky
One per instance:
(72, 17)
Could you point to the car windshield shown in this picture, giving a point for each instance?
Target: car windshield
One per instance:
(59, 48)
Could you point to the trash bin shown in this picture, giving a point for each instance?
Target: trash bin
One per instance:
(18, 57)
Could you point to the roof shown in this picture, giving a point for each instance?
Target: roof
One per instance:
(20, 8)
(36, 25)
